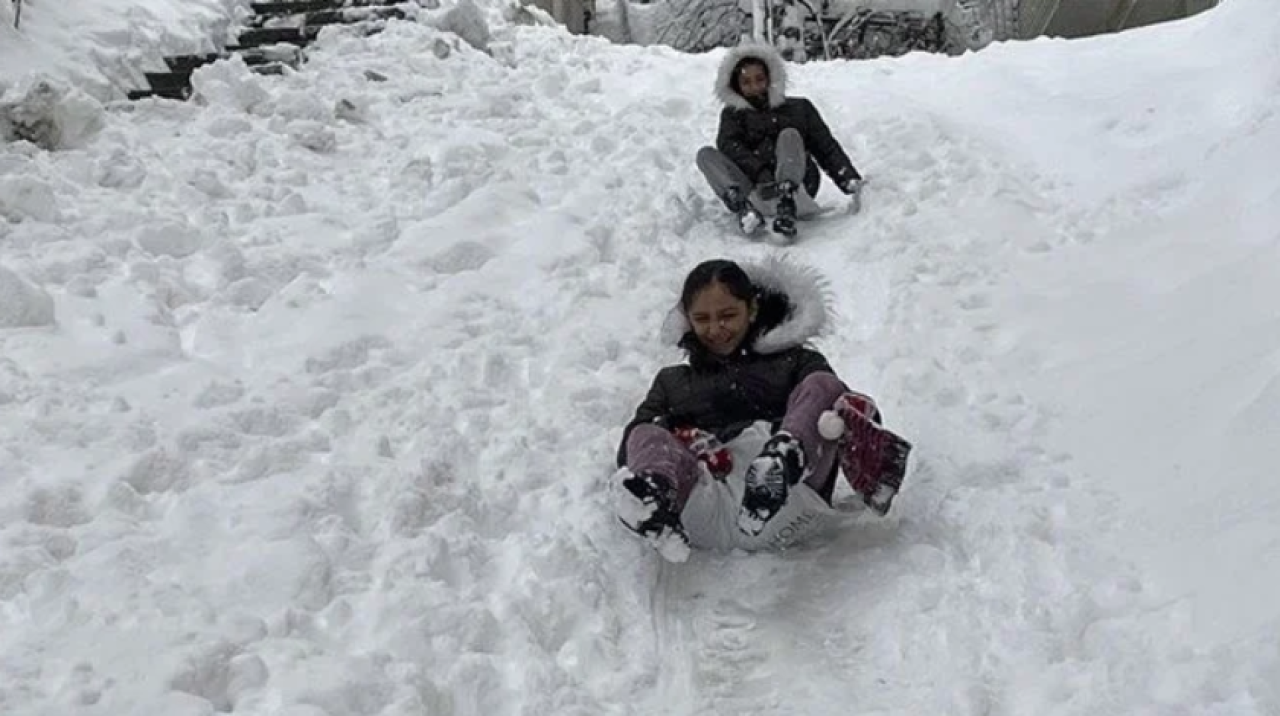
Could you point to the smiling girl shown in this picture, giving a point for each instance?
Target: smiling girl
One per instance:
(744, 331)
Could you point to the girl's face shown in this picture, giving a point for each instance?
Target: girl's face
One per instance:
(753, 82)
(719, 319)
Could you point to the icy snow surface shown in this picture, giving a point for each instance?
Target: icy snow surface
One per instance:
(321, 415)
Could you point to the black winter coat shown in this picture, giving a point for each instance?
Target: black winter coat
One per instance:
(749, 137)
(724, 395)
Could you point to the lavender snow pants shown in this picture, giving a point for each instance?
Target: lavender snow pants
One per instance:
(653, 449)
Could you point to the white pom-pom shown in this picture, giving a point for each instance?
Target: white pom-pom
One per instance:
(830, 425)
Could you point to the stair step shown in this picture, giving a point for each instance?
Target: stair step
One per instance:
(272, 68)
(186, 64)
(348, 15)
(171, 85)
(274, 35)
(180, 63)
(297, 7)
(256, 56)
(351, 15)
(249, 50)
(178, 93)
(294, 8)
(169, 80)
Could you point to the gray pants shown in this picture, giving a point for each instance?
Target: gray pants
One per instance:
(653, 449)
(790, 163)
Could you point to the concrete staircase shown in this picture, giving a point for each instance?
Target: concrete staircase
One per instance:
(273, 38)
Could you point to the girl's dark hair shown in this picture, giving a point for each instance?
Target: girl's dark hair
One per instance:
(743, 64)
(772, 307)
(720, 271)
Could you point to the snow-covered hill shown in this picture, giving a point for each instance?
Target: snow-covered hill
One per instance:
(309, 390)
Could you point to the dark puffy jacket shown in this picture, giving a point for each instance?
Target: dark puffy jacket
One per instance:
(748, 136)
(724, 395)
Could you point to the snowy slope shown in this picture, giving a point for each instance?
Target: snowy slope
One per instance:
(1169, 335)
(320, 420)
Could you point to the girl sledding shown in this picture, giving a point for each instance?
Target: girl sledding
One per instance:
(740, 445)
(769, 147)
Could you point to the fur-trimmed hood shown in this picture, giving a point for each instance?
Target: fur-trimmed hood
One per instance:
(771, 59)
(798, 293)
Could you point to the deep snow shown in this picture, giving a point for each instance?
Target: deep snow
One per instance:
(321, 418)
(105, 45)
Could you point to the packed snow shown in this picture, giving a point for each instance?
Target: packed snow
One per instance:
(310, 387)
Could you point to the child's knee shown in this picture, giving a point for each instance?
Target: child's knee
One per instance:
(645, 435)
(823, 382)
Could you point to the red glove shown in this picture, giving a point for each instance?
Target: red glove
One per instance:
(708, 449)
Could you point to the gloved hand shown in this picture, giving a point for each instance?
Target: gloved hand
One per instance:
(708, 449)
(851, 187)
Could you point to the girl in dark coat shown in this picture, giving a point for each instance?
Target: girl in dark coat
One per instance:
(744, 331)
(769, 146)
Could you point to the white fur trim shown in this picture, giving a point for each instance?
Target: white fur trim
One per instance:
(674, 326)
(771, 59)
(807, 290)
(810, 302)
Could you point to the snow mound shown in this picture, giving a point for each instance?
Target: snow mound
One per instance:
(27, 197)
(22, 304)
(50, 114)
(466, 20)
(229, 84)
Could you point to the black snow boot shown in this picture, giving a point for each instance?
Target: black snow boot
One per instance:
(649, 509)
(749, 220)
(785, 221)
(781, 464)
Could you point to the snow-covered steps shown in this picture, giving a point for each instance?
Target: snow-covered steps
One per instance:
(271, 41)
(261, 36)
(187, 63)
(288, 7)
(321, 12)
(177, 85)
(252, 57)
